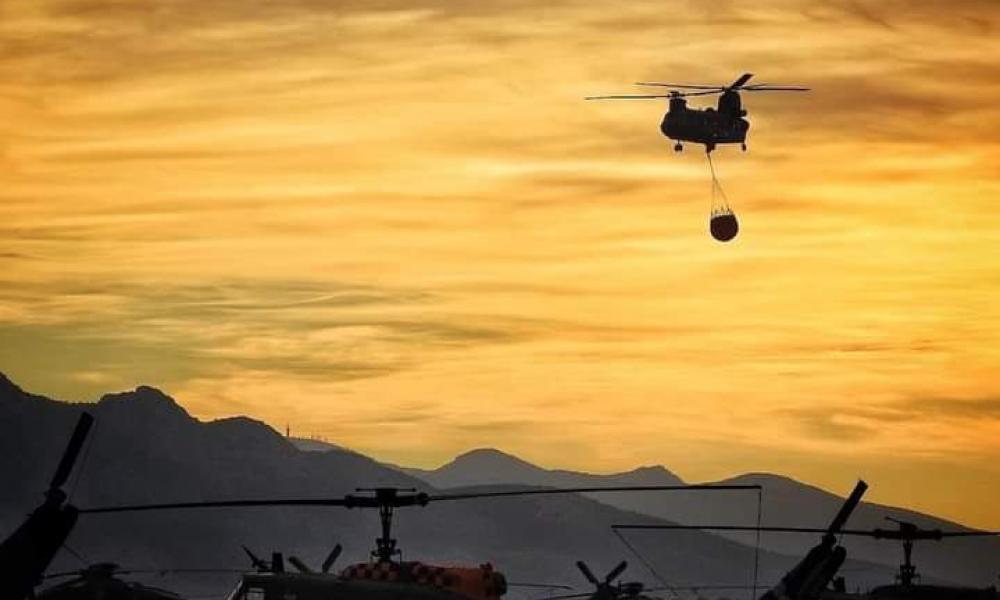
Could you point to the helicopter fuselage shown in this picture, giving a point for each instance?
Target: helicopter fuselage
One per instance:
(320, 586)
(724, 125)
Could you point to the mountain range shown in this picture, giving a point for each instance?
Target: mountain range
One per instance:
(786, 503)
(147, 448)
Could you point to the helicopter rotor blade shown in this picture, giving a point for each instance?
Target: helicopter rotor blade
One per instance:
(397, 500)
(255, 561)
(628, 97)
(582, 490)
(775, 88)
(739, 82)
(926, 534)
(616, 572)
(587, 572)
(72, 452)
(546, 586)
(300, 566)
(680, 86)
(331, 558)
(219, 504)
(848, 507)
(277, 562)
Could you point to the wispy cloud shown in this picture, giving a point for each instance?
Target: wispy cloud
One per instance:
(341, 215)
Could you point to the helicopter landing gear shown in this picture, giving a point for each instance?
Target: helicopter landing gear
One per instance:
(678, 147)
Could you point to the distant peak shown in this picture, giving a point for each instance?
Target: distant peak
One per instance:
(7, 385)
(143, 396)
(490, 454)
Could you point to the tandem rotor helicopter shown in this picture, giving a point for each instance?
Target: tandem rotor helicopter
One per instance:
(725, 124)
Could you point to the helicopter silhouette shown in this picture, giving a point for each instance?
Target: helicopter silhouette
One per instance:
(27, 553)
(386, 576)
(813, 574)
(725, 124)
(606, 589)
(815, 578)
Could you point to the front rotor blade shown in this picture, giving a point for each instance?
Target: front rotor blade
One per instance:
(220, 504)
(680, 86)
(83, 425)
(626, 97)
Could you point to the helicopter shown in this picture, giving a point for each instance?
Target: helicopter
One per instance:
(725, 124)
(101, 580)
(605, 589)
(813, 574)
(27, 553)
(819, 582)
(385, 576)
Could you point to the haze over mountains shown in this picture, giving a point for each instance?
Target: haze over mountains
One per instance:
(146, 448)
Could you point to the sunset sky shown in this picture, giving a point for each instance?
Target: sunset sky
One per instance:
(398, 225)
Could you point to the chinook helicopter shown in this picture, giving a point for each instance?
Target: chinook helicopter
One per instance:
(725, 124)
(386, 576)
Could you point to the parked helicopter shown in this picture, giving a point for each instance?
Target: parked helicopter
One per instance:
(725, 124)
(101, 581)
(606, 589)
(819, 581)
(386, 576)
(808, 579)
(27, 553)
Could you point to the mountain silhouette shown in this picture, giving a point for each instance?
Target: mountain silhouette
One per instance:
(787, 502)
(146, 448)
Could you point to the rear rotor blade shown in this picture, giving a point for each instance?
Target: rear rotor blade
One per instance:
(774, 88)
(587, 572)
(739, 82)
(83, 425)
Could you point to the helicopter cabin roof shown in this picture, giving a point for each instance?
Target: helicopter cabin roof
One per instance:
(477, 583)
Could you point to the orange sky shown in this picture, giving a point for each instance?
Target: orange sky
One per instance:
(398, 225)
